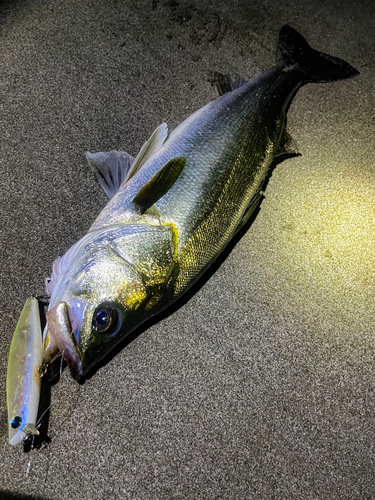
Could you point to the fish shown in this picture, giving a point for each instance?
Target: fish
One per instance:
(174, 207)
(24, 374)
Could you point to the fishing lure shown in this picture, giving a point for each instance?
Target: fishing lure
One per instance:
(24, 375)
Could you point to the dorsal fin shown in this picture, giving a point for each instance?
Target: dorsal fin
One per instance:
(239, 82)
(149, 148)
(159, 184)
(116, 167)
(111, 169)
(223, 83)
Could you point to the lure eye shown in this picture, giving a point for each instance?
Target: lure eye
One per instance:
(105, 319)
(16, 422)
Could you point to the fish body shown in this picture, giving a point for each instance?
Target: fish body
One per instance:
(229, 145)
(175, 207)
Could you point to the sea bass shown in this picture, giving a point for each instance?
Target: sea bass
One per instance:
(175, 207)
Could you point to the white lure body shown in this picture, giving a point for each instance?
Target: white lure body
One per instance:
(23, 376)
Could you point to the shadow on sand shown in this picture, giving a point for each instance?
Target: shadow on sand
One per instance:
(7, 495)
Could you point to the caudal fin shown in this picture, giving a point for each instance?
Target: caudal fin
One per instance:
(293, 51)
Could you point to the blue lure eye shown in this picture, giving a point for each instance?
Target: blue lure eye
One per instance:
(16, 422)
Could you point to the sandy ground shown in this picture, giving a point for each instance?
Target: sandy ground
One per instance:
(262, 385)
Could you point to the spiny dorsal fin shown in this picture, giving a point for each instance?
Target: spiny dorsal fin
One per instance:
(111, 169)
(149, 148)
(160, 184)
(223, 83)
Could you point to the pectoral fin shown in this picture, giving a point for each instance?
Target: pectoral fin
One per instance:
(160, 184)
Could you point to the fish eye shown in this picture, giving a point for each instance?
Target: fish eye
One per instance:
(16, 422)
(105, 319)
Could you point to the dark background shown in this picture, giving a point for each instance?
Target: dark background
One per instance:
(262, 384)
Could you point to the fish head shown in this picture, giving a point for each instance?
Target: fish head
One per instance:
(109, 287)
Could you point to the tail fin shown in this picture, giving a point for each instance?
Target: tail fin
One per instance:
(294, 51)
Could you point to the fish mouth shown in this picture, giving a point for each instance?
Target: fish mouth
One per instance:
(62, 333)
(73, 361)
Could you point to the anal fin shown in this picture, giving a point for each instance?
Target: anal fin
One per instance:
(287, 145)
(253, 205)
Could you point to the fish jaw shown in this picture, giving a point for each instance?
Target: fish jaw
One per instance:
(60, 329)
(24, 374)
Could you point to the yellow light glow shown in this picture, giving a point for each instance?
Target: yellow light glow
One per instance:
(317, 231)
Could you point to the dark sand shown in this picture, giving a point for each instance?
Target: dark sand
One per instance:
(262, 384)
